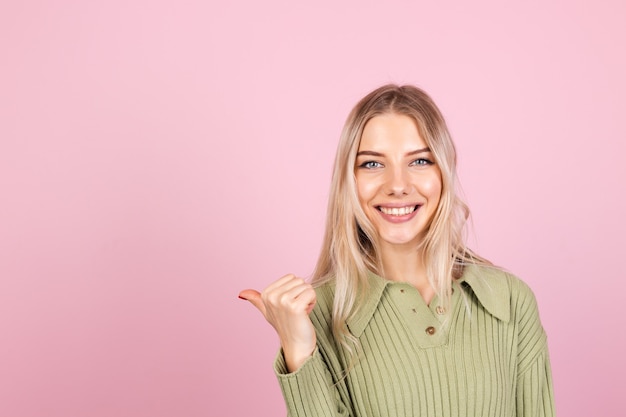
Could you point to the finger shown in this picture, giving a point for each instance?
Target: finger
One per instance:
(255, 298)
(279, 292)
(310, 297)
(303, 296)
(310, 307)
(281, 282)
(296, 291)
(290, 288)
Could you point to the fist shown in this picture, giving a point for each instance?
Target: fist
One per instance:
(286, 305)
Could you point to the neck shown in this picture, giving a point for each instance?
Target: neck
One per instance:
(405, 264)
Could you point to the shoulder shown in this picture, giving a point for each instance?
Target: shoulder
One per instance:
(520, 301)
(502, 293)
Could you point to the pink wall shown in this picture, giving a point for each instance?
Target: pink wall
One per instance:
(157, 157)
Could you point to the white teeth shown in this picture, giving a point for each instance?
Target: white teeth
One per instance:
(398, 211)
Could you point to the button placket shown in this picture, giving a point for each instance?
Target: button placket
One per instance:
(413, 309)
(420, 318)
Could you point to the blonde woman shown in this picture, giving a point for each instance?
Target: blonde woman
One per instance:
(401, 318)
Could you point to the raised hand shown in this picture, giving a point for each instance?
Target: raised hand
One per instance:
(286, 305)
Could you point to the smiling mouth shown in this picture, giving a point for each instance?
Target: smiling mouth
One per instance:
(397, 211)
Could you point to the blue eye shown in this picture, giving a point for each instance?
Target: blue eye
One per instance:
(370, 165)
(422, 161)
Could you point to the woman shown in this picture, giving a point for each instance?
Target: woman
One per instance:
(402, 319)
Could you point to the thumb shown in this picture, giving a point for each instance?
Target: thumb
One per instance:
(254, 297)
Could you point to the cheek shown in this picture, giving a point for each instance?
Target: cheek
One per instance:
(431, 187)
(365, 190)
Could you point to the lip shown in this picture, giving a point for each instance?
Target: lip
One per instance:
(398, 219)
(397, 205)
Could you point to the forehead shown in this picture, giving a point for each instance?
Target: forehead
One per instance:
(391, 132)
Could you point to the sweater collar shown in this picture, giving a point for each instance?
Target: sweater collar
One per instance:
(487, 283)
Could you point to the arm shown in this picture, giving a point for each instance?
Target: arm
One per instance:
(534, 393)
(535, 397)
(307, 354)
(310, 391)
(317, 387)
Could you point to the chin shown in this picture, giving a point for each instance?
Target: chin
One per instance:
(401, 240)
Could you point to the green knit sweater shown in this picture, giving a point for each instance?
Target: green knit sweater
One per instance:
(486, 357)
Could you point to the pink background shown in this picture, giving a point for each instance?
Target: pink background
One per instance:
(157, 156)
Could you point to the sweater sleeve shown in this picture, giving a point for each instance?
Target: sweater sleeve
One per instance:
(317, 388)
(534, 393)
(534, 389)
(309, 391)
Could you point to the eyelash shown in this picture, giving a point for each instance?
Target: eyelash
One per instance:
(417, 162)
(367, 165)
(425, 161)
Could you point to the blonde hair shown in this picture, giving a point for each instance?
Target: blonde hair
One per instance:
(350, 249)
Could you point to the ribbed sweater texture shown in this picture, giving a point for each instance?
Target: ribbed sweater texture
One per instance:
(485, 357)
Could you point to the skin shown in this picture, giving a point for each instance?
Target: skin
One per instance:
(394, 169)
(286, 305)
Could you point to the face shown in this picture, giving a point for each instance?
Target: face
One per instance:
(398, 182)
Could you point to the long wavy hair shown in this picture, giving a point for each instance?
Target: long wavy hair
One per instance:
(350, 244)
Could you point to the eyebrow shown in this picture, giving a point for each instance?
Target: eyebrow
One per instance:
(373, 153)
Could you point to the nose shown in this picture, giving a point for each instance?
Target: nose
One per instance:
(398, 182)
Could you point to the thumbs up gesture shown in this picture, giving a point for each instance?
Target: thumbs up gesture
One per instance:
(286, 305)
